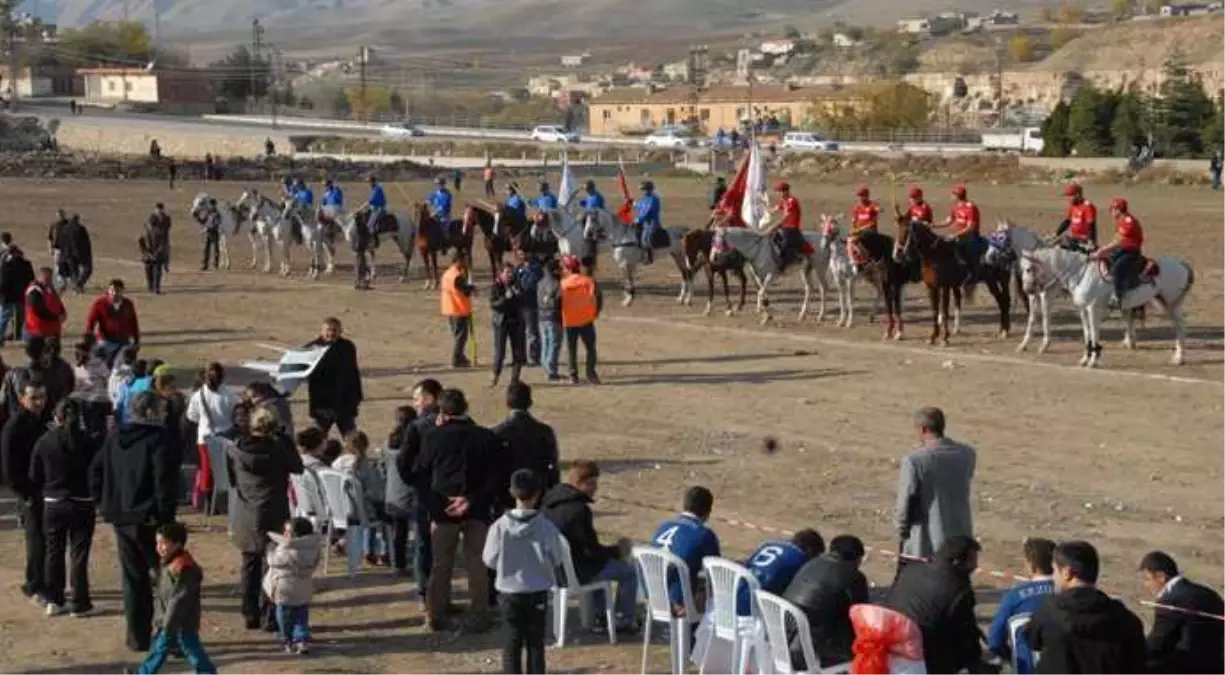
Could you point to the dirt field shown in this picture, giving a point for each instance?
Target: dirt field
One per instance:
(1128, 457)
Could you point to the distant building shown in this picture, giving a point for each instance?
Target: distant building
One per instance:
(575, 60)
(177, 91)
(1188, 9)
(677, 71)
(914, 26)
(844, 41)
(35, 82)
(777, 47)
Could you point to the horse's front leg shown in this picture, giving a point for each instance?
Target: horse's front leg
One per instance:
(1044, 304)
(1129, 329)
(850, 300)
(744, 284)
(267, 256)
(329, 251)
(710, 291)
(933, 298)
(807, 284)
(254, 249)
(1095, 316)
(956, 292)
(763, 303)
(1030, 315)
(820, 279)
(223, 252)
(1087, 336)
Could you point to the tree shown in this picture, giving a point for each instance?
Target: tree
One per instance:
(1184, 109)
(1214, 129)
(340, 103)
(791, 32)
(1089, 119)
(1048, 14)
(1021, 47)
(375, 101)
(1130, 125)
(396, 104)
(114, 43)
(239, 76)
(891, 106)
(1070, 12)
(1055, 141)
(1121, 9)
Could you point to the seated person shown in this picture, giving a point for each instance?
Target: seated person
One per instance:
(1023, 599)
(824, 589)
(1182, 642)
(688, 537)
(775, 563)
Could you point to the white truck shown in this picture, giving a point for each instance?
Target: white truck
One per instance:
(1027, 141)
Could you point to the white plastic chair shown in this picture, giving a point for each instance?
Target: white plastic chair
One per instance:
(775, 613)
(295, 366)
(312, 504)
(571, 588)
(1016, 624)
(347, 510)
(724, 577)
(653, 565)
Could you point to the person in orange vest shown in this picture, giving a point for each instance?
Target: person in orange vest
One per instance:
(865, 214)
(581, 303)
(788, 238)
(1124, 252)
(965, 221)
(45, 312)
(456, 299)
(1078, 231)
(919, 210)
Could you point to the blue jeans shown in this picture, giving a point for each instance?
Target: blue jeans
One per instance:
(16, 313)
(293, 623)
(108, 349)
(550, 346)
(190, 645)
(622, 573)
(648, 234)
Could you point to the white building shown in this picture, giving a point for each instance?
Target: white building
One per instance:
(844, 41)
(914, 26)
(777, 47)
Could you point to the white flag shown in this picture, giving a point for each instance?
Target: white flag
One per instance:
(568, 188)
(753, 210)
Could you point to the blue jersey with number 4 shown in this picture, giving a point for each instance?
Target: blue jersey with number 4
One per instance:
(774, 563)
(689, 539)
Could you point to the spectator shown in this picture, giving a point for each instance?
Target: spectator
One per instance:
(153, 256)
(59, 469)
(44, 311)
(262, 394)
(15, 379)
(17, 440)
(112, 318)
(354, 461)
(211, 409)
(775, 564)
(528, 272)
(548, 308)
(16, 275)
(178, 603)
(1182, 642)
(259, 466)
(1024, 598)
(456, 306)
(1214, 167)
(824, 589)
(59, 377)
(425, 402)
(176, 410)
(529, 443)
(335, 386)
(135, 483)
(581, 304)
(489, 175)
(933, 495)
(67, 262)
(939, 598)
(505, 301)
(79, 264)
(524, 549)
(1081, 629)
(90, 389)
(568, 505)
(158, 228)
(689, 538)
(121, 372)
(400, 498)
(310, 445)
(289, 582)
(332, 449)
(457, 458)
(138, 380)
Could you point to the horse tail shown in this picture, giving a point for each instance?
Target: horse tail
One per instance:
(1185, 289)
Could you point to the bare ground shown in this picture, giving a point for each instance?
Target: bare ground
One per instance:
(1128, 457)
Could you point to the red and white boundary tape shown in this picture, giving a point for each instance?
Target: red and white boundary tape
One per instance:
(1182, 610)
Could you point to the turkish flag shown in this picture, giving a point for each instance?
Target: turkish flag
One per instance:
(626, 212)
(729, 205)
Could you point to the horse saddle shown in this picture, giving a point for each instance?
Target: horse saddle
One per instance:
(1070, 244)
(387, 224)
(661, 239)
(1143, 271)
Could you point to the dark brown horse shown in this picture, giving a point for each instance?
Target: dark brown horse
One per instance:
(940, 271)
(888, 270)
(501, 229)
(434, 238)
(695, 252)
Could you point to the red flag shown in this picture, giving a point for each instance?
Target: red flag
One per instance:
(626, 212)
(729, 205)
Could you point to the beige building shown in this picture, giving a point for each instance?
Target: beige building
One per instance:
(626, 110)
(179, 90)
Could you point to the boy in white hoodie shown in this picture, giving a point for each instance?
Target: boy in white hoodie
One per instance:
(524, 548)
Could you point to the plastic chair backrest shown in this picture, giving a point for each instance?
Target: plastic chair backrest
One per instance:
(311, 498)
(344, 498)
(569, 577)
(723, 577)
(653, 566)
(774, 614)
(1016, 624)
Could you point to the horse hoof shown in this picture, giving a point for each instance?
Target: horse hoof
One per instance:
(1003, 335)
(729, 312)
(1177, 360)
(627, 301)
(944, 343)
(1022, 347)
(706, 312)
(1128, 344)
(1042, 348)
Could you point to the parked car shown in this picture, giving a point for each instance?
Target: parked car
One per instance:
(401, 130)
(553, 134)
(808, 141)
(669, 138)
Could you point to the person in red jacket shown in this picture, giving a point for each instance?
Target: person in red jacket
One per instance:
(788, 238)
(45, 312)
(1078, 230)
(1124, 252)
(112, 318)
(965, 220)
(865, 215)
(919, 210)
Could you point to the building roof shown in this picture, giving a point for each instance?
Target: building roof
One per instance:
(718, 94)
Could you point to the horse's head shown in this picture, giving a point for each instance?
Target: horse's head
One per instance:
(198, 205)
(720, 247)
(999, 246)
(1036, 275)
(830, 229)
(904, 244)
(592, 227)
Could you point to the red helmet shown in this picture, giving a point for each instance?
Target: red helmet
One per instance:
(916, 192)
(1118, 204)
(1072, 190)
(782, 186)
(862, 191)
(570, 264)
(959, 191)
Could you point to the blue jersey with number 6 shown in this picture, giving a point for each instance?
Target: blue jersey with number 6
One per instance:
(689, 539)
(774, 563)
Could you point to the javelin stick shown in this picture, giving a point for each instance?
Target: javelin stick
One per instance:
(473, 346)
(1192, 612)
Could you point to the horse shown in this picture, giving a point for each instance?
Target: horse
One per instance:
(1004, 246)
(266, 226)
(756, 249)
(569, 233)
(695, 251)
(1091, 289)
(888, 270)
(231, 222)
(432, 239)
(402, 232)
(627, 252)
(841, 270)
(500, 236)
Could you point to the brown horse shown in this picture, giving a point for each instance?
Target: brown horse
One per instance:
(501, 229)
(941, 271)
(433, 238)
(695, 252)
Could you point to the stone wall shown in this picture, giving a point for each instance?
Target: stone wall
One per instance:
(132, 139)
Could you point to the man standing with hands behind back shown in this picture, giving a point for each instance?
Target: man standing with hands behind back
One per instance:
(335, 386)
(933, 494)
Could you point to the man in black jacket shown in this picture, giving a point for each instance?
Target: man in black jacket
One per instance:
(1081, 629)
(16, 275)
(528, 442)
(939, 598)
(568, 505)
(17, 440)
(505, 302)
(1182, 642)
(425, 402)
(82, 251)
(459, 459)
(135, 482)
(37, 359)
(825, 588)
(335, 386)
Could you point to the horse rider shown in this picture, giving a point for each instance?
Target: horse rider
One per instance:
(717, 191)
(331, 204)
(1124, 253)
(376, 204)
(919, 210)
(440, 205)
(303, 196)
(787, 235)
(965, 221)
(646, 216)
(514, 202)
(287, 187)
(1078, 231)
(865, 216)
(594, 201)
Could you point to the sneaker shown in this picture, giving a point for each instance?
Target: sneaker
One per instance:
(288, 647)
(81, 613)
(54, 609)
(302, 647)
(38, 600)
(574, 379)
(593, 379)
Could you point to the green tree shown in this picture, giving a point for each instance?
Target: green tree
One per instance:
(114, 43)
(791, 32)
(1062, 35)
(239, 75)
(892, 106)
(1121, 9)
(1214, 129)
(340, 103)
(396, 104)
(1055, 141)
(1183, 110)
(1089, 120)
(1070, 12)
(1130, 123)
(1021, 47)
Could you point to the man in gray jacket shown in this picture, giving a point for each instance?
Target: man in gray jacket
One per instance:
(933, 494)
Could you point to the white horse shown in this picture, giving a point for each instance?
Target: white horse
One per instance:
(404, 237)
(1011, 239)
(841, 269)
(231, 222)
(312, 232)
(756, 248)
(628, 253)
(266, 226)
(566, 228)
(1091, 290)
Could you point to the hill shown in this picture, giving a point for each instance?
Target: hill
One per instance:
(1143, 45)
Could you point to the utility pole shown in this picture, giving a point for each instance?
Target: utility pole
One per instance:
(999, 83)
(363, 55)
(257, 47)
(157, 25)
(9, 23)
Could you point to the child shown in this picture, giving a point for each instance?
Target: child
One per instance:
(121, 371)
(91, 375)
(523, 548)
(355, 463)
(288, 582)
(400, 498)
(177, 603)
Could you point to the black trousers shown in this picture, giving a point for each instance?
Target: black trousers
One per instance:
(212, 245)
(530, 318)
(587, 335)
(139, 562)
(502, 334)
(83, 273)
(526, 616)
(153, 277)
(31, 514)
(459, 332)
(255, 607)
(68, 523)
(345, 422)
